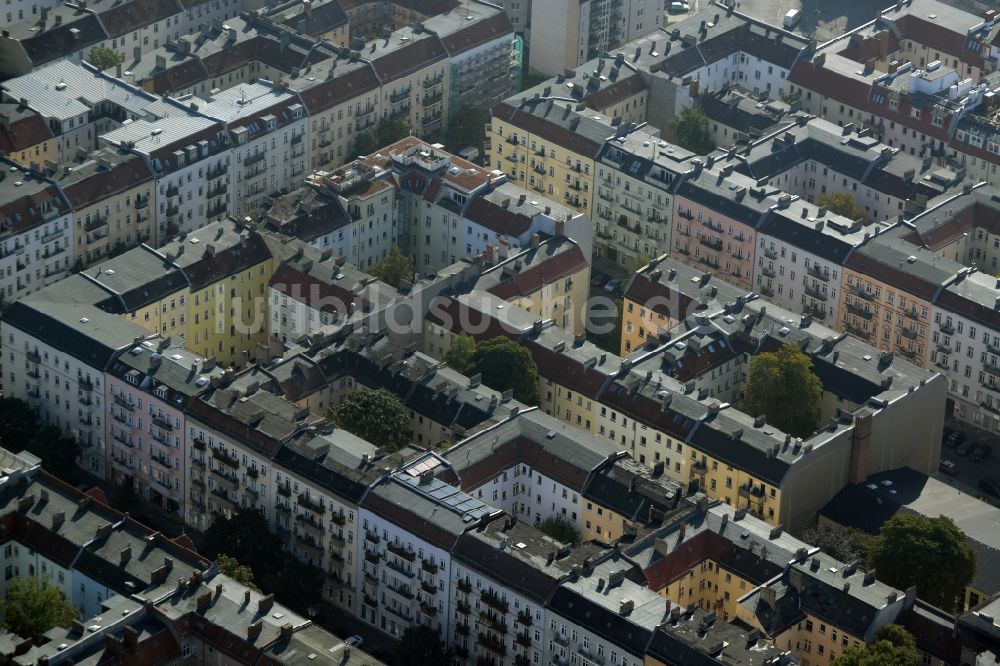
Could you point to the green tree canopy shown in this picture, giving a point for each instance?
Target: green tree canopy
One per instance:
(461, 352)
(394, 268)
(104, 58)
(504, 364)
(892, 646)
(376, 416)
(241, 573)
(842, 204)
(421, 646)
(20, 430)
(689, 130)
(931, 553)
(467, 127)
(245, 537)
(391, 131)
(783, 386)
(560, 530)
(847, 544)
(365, 143)
(32, 607)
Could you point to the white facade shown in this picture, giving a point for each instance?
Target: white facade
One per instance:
(797, 279)
(36, 256)
(529, 495)
(743, 69)
(63, 390)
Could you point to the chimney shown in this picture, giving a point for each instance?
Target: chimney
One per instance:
(125, 555)
(265, 603)
(58, 518)
(768, 596)
(246, 597)
(253, 631)
(203, 601)
(131, 637)
(535, 240)
(286, 632)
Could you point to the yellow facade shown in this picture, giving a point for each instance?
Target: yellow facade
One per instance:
(120, 220)
(709, 585)
(563, 301)
(639, 323)
(228, 318)
(536, 163)
(885, 317)
(166, 317)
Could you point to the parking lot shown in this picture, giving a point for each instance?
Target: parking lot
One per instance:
(969, 472)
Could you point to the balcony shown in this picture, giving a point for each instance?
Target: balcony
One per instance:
(401, 112)
(284, 491)
(400, 591)
(309, 543)
(815, 293)
(947, 328)
(314, 527)
(428, 566)
(463, 608)
(198, 444)
(296, 138)
(400, 95)
(217, 210)
(908, 333)
(768, 272)
(173, 210)
(493, 600)
(225, 459)
(218, 191)
(814, 271)
(124, 404)
(431, 100)
(307, 503)
(372, 537)
(173, 191)
(253, 159)
(430, 83)
(399, 568)
(462, 629)
(524, 618)
(861, 293)
(217, 172)
(428, 610)
(711, 243)
(464, 586)
(33, 357)
(492, 644)
(162, 461)
(163, 424)
(523, 638)
(370, 601)
(910, 314)
(771, 254)
(141, 202)
(859, 311)
(493, 622)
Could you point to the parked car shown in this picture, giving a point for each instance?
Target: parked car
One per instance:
(965, 448)
(980, 452)
(597, 279)
(611, 286)
(954, 438)
(354, 641)
(990, 486)
(679, 8)
(947, 467)
(792, 18)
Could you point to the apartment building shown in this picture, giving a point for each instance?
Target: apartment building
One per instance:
(110, 195)
(411, 65)
(266, 127)
(575, 32)
(736, 115)
(411, 515)
(662, 294)
(146, 442)
(548, 146)
(634, 209)
(342, 100)
(57, 348)
(143, 589)
(640, 403)
(189, 157)
(313, 290)
(25, 137)
(36, 233)
(484, 58)
(78, 104)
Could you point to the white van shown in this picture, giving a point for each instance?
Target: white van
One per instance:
(792, 18)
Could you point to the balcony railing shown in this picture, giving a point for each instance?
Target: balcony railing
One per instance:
(253, 159)
(400, 95)
(307, 503)
(494, 601)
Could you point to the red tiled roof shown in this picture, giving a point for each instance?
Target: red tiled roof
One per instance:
(495, 217)
(310, 290)
(25, 212)
(478, 33)
(104, 183)
(24, 133)
(825, 81)
(547, 271)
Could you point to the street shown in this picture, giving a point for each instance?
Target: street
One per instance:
(968, 473)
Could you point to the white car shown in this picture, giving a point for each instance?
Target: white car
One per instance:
(679, 8)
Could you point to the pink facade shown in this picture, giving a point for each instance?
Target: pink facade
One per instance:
(707, 240)
(145, 423)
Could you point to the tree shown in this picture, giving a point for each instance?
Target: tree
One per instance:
(245, 537)
(394, 268)
(897, 635)
(461, 352)
(58, 452)
(391, 131)
(20, 430)
(504, 365)
(32, 607)
(931, 553)
(783, 386)
(560, 530)
(892, 646)
(842, 204)
(847, 544)
(421, 646)
(104, 58)
(690, 131)
(374, 415)
(467, 127)
(241, 573)
(298, 585)
(365, 143)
